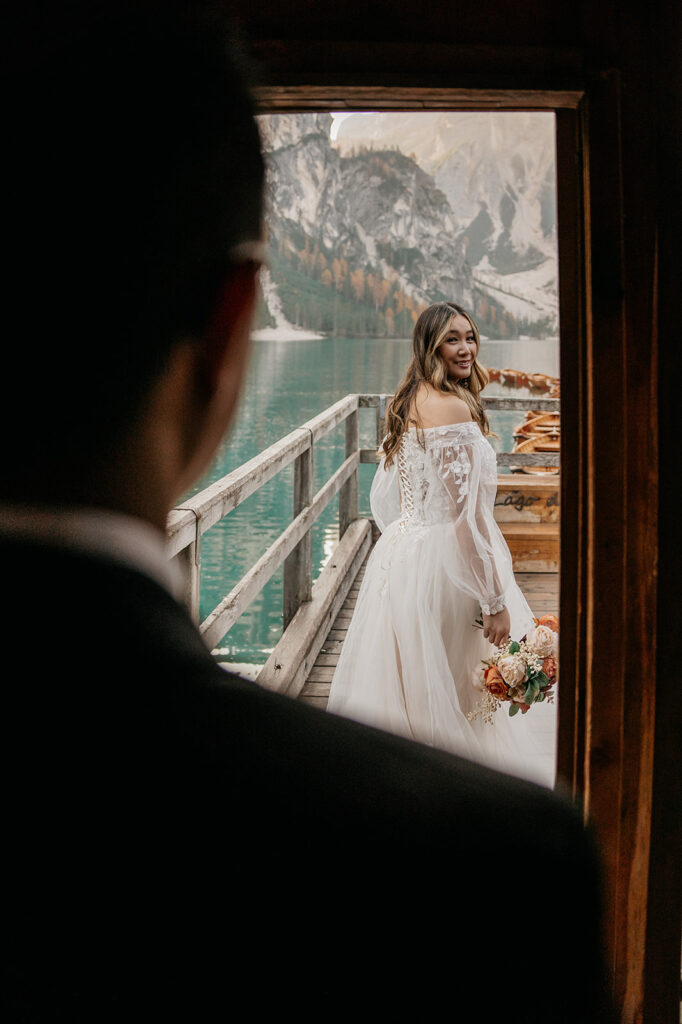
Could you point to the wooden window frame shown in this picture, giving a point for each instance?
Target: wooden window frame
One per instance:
(567, 107)
(608, 462)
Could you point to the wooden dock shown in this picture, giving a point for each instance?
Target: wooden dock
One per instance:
(541, 590)
(316, 613)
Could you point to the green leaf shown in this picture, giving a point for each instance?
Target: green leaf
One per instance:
(513, 710)
(542, 679)
(514, 647)
(529, 694)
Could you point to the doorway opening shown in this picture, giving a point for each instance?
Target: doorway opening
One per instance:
(373, 215)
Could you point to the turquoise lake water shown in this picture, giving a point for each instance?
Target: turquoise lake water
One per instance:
(288, 383)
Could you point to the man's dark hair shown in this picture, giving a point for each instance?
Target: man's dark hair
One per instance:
(132, 167)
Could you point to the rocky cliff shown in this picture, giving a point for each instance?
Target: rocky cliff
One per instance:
(497, 170)
(362, 236)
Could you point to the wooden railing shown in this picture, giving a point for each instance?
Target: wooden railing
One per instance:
(308, 607)
(510, 404)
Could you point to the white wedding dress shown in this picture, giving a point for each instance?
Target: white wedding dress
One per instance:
(409, 656)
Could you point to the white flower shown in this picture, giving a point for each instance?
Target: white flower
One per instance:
(478, 678)
(543, 640)
(513, 669)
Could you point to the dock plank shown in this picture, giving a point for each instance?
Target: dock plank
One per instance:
(541, 590)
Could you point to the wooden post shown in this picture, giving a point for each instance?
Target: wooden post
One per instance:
(348, 495)
(381, 416)
(298, 567)
(189, 562)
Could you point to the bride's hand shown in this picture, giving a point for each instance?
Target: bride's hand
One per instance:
(496, 627)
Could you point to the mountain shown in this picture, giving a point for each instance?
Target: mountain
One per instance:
(497, 170)
(363, 234)
(359, 243)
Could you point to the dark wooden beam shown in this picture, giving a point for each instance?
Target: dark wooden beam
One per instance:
(323, 97)
(611, 72)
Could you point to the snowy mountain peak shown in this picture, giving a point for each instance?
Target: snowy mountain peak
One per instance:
(406, 209)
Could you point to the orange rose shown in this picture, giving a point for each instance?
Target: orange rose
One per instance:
(550, 668)
(549, 620)
(495, 684)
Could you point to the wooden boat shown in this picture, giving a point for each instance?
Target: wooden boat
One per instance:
(543, 423)
(493, 373)
(537, 443)
(517, 378)
(525, 430)
(540, 381)
(534, 381)
(541, 416)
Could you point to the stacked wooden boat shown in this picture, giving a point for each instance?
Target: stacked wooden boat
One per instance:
(539, 432)
(527, 505)
(540, 382)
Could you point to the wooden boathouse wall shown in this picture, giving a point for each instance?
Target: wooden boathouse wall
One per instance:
(611, 72)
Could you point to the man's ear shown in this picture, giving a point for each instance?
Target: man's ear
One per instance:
(226, 338)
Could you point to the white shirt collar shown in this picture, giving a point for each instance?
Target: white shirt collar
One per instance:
(124, 539)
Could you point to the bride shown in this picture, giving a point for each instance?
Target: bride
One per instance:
(440, 565)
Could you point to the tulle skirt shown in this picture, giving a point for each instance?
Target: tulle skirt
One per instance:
(410, 653)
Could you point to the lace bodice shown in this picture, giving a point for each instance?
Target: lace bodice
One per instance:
(432, 454)
(447, 477)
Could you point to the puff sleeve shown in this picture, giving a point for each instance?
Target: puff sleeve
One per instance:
(384, 495)
(477, 559)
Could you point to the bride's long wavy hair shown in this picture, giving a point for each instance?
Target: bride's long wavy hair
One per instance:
(427, 365)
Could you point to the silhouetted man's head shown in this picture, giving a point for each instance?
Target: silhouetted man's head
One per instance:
(133, 185)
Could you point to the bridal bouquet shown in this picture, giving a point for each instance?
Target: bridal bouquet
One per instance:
(521, 673)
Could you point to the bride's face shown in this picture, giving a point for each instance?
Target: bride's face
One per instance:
(458, 348)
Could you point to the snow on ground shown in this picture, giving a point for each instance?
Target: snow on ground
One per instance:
(283, 330)
(288, 333)
(529, 293)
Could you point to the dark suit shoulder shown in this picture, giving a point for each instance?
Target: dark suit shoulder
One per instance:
(368, 772)
(172, 794)
(157, 684)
